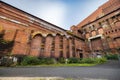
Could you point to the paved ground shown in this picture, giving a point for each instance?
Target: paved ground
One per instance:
(108, 71)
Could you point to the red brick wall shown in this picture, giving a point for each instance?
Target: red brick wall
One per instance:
(48, 46)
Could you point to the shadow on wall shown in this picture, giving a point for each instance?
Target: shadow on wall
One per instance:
(5, 45)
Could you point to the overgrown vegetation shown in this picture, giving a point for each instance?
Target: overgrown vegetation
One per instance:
(112, 56)
(73, 60)
(5, 44)
(6, 61)
(29, 60)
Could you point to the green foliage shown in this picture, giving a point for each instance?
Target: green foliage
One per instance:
(93, 60)
(111, 56)
(43, 61)
(73, 60)
(88, 60)
(61, 60)
(49, 61)
(100, 60)
(6, 61)
(29, 60)
(5, 44)
(46, 61)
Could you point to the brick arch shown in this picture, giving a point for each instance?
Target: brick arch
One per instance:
(49, 35)
(36, 45)
(117, 23)
(58, 34)
(49, 39)
(36, 33)
(116, 41)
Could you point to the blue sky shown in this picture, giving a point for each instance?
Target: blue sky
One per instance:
(63, 13)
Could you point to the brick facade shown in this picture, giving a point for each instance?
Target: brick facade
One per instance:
(101, 29)
(34, 36)
(98, 33)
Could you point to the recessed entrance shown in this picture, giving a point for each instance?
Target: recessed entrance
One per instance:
(81, 55)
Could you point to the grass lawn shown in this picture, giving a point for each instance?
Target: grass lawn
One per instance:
(72, 65)
(60, 65)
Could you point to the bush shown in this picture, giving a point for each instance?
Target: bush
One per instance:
(93, 60)
(49, 61)
(29, 60)
(73, 60)
(61, 60)
(100, 60)
(6, 61)
(88, 60)
(111, 56)
(42, 60)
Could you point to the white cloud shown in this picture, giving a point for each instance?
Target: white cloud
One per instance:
(53, 12)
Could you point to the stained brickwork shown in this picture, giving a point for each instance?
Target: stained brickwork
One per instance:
(98, 33)
(34, 36)
(102, 29)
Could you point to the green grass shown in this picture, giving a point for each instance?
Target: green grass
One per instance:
(57, 65)
(63, 65)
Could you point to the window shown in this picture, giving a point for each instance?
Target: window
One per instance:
(115, 30)
(106, 33)
(100, 24)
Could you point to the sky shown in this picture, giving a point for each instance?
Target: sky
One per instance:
(63, 13)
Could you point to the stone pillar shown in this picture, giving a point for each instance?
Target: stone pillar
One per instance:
(57, 46)
(48, 46)
(64, 47)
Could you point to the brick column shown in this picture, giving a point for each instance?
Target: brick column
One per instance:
(110, 21)
(70, 48)
(64, 47)
(57, 46)
(20, 43)
(48, 45)
(9, 35)
(76, 54)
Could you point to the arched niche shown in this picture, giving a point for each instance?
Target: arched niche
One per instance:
(100, 31)
(93, 33)
(87, 35)
(36, 44)
(36, 33)
(117, 23)
(49, 46)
